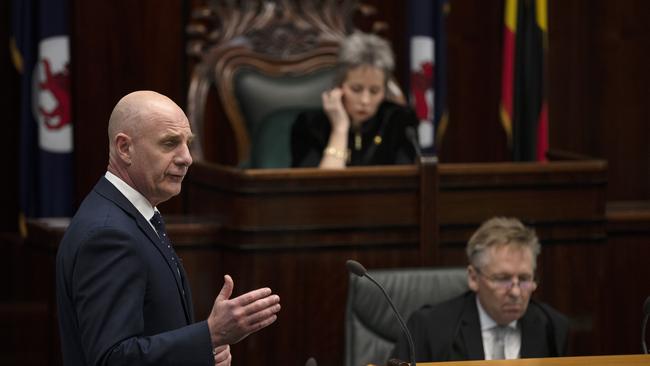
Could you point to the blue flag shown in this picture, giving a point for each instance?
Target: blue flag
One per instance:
(441, 110)
(428, 67)
(40, 50)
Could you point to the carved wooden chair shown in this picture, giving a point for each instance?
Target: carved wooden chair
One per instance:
(267, 60)
(371, 328)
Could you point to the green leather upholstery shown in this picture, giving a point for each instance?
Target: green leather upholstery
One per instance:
(270, 105)
(271, 144)
(371, 328)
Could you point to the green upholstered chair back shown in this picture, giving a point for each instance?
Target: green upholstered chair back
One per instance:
(261, 95)
(371, 329)
(270, 104)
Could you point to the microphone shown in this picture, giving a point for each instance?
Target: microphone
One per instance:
(412, 136)
(646, 315)
(359, 270)
(311, 362)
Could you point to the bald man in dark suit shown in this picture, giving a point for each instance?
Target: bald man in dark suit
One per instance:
(122, 293)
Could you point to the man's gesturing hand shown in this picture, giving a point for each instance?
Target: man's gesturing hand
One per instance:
(231, 320)
(222, 356)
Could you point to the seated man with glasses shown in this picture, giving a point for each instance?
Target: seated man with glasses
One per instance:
(497, 319)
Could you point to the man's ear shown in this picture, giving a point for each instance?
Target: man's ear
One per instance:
(472, 278)
(123, 144)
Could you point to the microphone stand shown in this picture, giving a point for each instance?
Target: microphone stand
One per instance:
(646, 314)
(359, 270)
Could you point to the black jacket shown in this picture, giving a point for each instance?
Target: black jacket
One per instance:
(451, 331)
(383, 138)
(121, 300)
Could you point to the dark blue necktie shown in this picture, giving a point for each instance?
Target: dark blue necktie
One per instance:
(159, 224)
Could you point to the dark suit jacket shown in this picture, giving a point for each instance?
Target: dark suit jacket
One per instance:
(121, 301)
(451, 331)
(384, 141)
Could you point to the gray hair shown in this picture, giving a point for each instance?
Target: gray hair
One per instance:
(499, 231)
(364, 49)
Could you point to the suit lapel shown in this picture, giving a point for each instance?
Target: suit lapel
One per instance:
(533, 335)
(151, 234)
(188, 296)
(189, 311)
(107, 189)
(468, 343)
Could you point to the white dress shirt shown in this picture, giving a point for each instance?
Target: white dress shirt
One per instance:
(136, 198)
(512, 339)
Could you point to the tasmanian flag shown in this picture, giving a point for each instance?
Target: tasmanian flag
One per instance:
(40, 51)
(428, 69)
(523, 109)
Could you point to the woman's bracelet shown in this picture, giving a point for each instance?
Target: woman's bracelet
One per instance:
(336, 153)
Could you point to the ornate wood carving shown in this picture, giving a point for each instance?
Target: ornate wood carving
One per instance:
(276, 36)
(279, 28)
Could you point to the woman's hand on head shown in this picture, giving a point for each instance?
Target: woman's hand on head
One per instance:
(334, 109)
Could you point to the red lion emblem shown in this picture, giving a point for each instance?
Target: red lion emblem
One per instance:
(59, 85)
(421, 81)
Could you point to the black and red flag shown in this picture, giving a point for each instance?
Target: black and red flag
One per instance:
(524, 107)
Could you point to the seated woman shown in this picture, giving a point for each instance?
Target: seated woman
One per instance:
(357, 125)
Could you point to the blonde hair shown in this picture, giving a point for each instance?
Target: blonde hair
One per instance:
(499, 231)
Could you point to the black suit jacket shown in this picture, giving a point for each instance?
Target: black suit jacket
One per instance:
(383, 138)
(121, 301)
(451, 331)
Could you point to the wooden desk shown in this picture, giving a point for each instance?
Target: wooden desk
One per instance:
(267, 209)
(293, 229)
(622, 360)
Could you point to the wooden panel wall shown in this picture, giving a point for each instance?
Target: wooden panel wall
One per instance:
(599, 93)
(626, 275)
(599, 89)
(474, 61)
(118, 47)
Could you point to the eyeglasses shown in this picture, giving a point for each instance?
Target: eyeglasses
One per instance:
(507, 282)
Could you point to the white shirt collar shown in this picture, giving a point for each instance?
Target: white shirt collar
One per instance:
(486, 321)
(136, 198)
